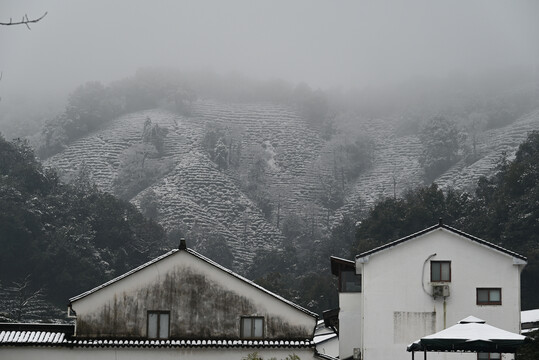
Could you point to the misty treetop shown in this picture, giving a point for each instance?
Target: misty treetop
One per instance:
(441, 143)
(93, 104)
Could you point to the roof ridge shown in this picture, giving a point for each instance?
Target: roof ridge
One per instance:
(440, 225)
(203, 258)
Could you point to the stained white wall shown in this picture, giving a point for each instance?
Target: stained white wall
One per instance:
(264, 303)
(397, 306)
(144, 354)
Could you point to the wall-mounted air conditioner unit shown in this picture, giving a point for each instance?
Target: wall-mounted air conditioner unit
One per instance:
(440, 291)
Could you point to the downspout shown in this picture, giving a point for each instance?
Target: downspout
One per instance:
(363, 302)
(423, 273)
(445, 313)
(71, 314)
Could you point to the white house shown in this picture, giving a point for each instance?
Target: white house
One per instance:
(179, 305)
(415, 286)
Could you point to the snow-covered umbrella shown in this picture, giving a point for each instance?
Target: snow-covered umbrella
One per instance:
(470, 334)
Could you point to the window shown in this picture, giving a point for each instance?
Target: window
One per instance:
(252, 327)
(440, 271)
(489, 356)
(158, 324)
(489, 296)
(350, 281)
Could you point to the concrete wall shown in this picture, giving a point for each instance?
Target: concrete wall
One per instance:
(397, 304)
(144, 354)
(350, 323)
(204, 302)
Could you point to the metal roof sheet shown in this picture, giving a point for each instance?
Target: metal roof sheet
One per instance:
(54, 339)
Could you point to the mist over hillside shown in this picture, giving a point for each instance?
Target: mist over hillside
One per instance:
(265, 133)
(237, 165)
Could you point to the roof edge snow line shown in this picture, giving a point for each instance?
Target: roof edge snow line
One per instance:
(450, 229)
(59, 339)
(203, 258)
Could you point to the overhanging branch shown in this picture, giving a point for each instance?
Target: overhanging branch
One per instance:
(24, 21)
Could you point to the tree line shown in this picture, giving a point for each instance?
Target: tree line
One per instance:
(503, 209)
(62, 239)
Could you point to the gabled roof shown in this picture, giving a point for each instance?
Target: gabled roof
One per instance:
(448, 228)
(203, 258)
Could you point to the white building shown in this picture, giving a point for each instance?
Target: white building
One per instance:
(179, 305)
(415, 286)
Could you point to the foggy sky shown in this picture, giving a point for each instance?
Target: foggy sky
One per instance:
(324, 43)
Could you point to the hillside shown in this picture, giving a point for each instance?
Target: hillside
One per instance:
(195, 195)
(493, 145)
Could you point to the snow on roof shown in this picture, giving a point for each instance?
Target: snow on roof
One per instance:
(323, 333)
(43, 338)
(203, 258)
(474, 329)
(529, 316)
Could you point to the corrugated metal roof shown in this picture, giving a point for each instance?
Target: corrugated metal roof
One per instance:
(55, 339)
(203, 258)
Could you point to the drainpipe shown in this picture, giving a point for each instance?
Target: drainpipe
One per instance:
(445, 312)
(423, 274)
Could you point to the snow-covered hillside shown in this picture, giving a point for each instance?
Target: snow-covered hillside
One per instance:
(196, 194)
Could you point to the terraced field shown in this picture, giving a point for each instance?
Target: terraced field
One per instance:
(493, 145)
(195, 194)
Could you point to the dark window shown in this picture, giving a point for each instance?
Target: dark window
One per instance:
(489, 296)
(440, 271)
(158, 324)
(489, 356)
(252, 327)
(350, 281)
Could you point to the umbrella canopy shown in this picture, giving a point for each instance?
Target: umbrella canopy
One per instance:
(470, 334)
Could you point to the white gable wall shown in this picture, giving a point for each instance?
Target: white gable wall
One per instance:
(397, 311)
(170, 271)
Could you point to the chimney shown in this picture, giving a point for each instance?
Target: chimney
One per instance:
(183, 245)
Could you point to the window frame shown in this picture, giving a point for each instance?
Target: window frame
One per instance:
(489, 356)
(440, 263)
(342, 281)
(252, 330)
(488, 302)
(158, 313)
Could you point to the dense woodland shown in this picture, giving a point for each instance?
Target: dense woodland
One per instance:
(59, 239)
(65, 235)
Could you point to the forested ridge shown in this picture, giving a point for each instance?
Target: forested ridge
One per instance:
(58, 239)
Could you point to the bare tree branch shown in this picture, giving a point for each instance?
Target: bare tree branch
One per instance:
(24, 21)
